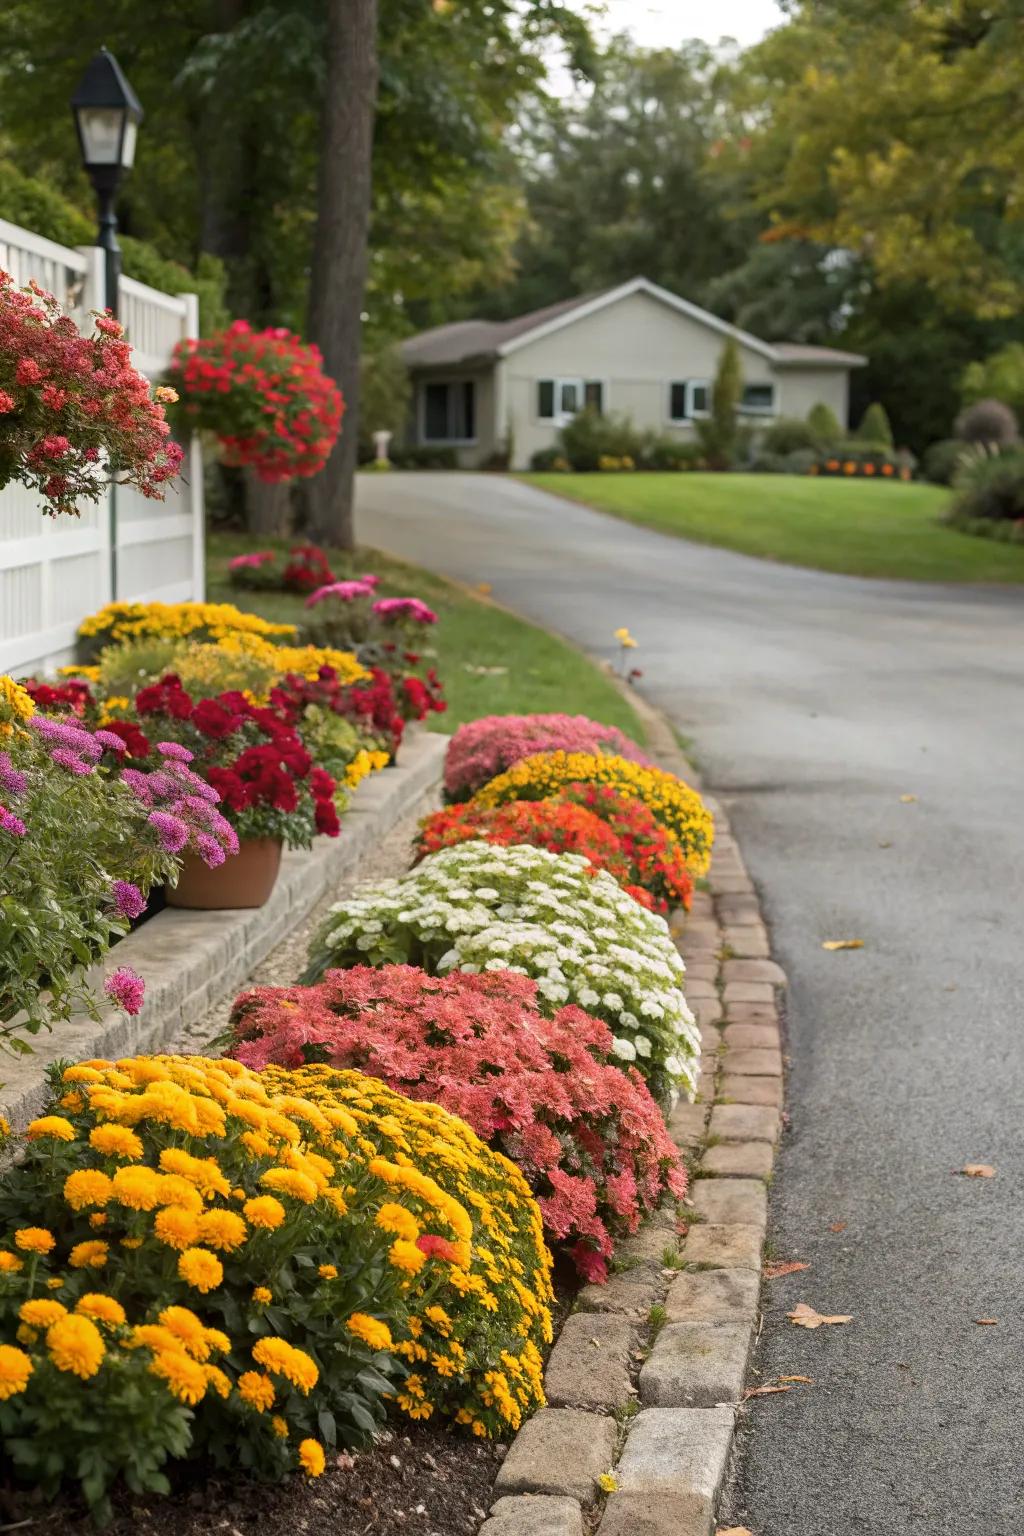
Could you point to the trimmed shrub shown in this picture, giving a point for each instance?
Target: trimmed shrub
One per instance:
(587, 1135)
(675, 805)
(480, 907)
(419, 457)
(988, 422)
(718, 432)
(825, 424)
(941, 460)
(201, 1260)
(591, 436)
(545, 460)
(664, 453)
(788, 435)
(483, 748)
(989, 487)
(874, 428)
(613, 832)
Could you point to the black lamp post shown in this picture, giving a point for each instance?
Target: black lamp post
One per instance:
(107, 114)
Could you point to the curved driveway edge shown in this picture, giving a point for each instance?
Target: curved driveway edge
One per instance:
(646, 1377)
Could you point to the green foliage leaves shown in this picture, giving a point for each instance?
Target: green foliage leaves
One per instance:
(718, 432)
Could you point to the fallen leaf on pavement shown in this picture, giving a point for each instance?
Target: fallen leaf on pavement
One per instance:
(838, 1226)
(806, 1317)
(843, 944)
(885, 845)
(763, 1391)
(987, 1322)
(808, 1379)
(908, 799)
(774, 1271)
(484, 587)
(977, 1171)
(734, 1530)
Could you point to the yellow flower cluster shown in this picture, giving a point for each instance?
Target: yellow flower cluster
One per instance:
(362, 765)
(679, 808)
(15, 704)
(212, 621)
(475, 1341)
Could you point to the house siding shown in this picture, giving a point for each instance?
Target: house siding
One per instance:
(798, 389)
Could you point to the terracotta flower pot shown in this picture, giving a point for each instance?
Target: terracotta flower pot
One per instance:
(245, 879)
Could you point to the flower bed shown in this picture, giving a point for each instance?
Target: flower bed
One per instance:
(199, 621)
(480, 907)
(588, 1137)
(482, 749)
(612, 832)
(676, 806)
(200, 1259)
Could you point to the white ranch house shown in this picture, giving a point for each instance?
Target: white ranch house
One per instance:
(636, 350)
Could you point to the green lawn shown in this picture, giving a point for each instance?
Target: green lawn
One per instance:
(857, 527)
(492, 663)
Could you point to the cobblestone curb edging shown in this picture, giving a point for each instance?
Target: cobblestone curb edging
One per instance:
(192, 959)
(646, 1377)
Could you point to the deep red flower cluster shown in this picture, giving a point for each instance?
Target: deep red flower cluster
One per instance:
(59, 698)
(550, 824)
(587, 1134)
(421, 696)
(265, 395)
(307, 569)
(369, 703)
(248, 753)
(74, 411)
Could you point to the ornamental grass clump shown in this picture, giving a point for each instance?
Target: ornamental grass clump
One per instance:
(483, 748)
(587, 1135)
(678, 808)
(480, 907)
(200, 1261)
(80, 848)
(613, 832)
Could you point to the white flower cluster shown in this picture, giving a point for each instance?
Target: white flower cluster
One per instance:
(481, 907)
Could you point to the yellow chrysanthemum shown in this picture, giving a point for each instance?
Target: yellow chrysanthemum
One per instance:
(201, 1268)
(283, 1358)
(87, 1186)
(216, 1379)
(288, 1181)
(185, 1378)
(262, 1295)
(176, 1227)
(76, 1346)
(15, 1370)
(218, 1342)
(116, 1141)
(102, 1309)
(50, 1125)
(40, 1312)
(89, 1255)
(311, 1458)
(376, 1334)
(327, 1272)
(203, 1172)
(223, 1230)
(34, 1240)
(10, 1263)
(137, 1188)
(15, 702)
(395, 1218)
(279, 1426)
(406, 1256)
(256, 1390)
(265, 1211)
(188, 1330)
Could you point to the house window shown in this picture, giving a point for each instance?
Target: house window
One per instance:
(758, 399)
(559, 400)
(449, 412)
(688, 398)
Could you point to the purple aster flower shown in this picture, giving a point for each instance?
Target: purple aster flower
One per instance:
(138, 783)
(72, 737)
(173, 749)
(126, 988)
(171, 830)
(210, 851)
(109, 740)
(11, 778)
(65, 758)
(162, 784)
(128, 899)
(11, 823)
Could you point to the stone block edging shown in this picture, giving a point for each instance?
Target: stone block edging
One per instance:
(678, 1315)
(192, 959)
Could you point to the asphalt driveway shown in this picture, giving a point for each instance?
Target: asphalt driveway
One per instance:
(816, 703)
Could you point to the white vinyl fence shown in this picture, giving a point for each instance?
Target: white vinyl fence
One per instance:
(54, 571)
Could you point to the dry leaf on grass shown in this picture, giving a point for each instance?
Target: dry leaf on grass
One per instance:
(987, 1322)
(908, 799)
(843, 944)
(977, 1171)
(806, 1317)
(774, 1271)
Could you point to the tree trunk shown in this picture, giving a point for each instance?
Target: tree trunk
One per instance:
(340, 247)
(267, 507)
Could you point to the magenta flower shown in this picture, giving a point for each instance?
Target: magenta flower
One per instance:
(210, 851)
(388, 608)
(174, 750)
(128, 899)
(126, 988)
(344, 591)
(240, 562)
(11, 778)
(138, 783)
(171, 830)
(64, 734)
(110, 741)
(11, 823)
(65, 758)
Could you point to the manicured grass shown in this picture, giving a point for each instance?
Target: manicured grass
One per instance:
(857, 527)
(492, 663)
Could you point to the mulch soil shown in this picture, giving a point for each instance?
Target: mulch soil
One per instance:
(420, 1482)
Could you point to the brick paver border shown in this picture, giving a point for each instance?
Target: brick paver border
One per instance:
(646, 1377)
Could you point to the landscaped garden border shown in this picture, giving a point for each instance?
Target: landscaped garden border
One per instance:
(647, 1376)
(193, 958)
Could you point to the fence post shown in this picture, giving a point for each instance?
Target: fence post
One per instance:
(94, 296)
(195, 474)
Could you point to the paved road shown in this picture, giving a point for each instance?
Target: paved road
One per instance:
(816, 702)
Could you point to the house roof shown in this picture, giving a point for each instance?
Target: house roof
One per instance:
(481, 341)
